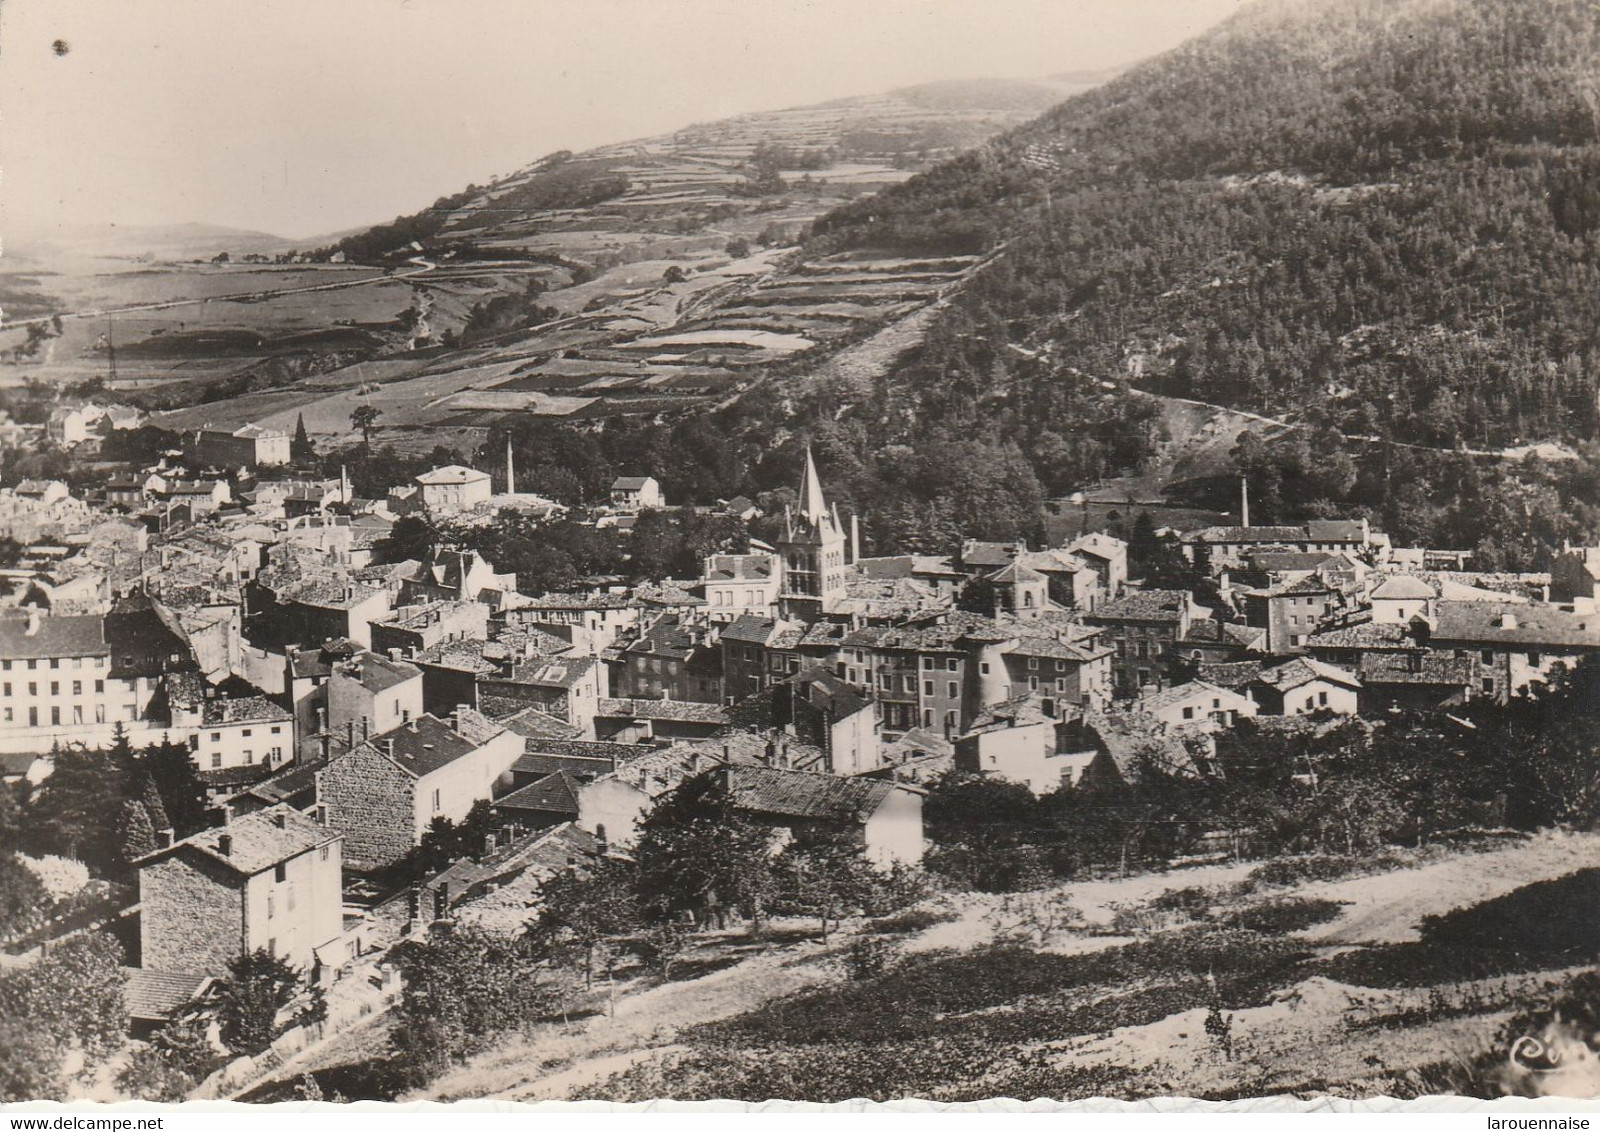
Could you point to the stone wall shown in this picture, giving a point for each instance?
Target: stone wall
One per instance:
(372, 802)
(191, 915)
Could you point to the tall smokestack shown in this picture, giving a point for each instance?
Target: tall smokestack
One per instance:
(1244, 501)
(855, 538)
(511, 471)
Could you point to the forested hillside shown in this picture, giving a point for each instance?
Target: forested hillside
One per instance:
(1387, 207)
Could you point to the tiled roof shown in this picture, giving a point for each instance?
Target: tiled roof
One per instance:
(258, 841)
(378, 673)
(1016, 572)
(1179, 694)
(580, 601)
(750, 629)
(1050, 647)
(1300, 671)
(152, 996)
(685, 711)
(1145, 605)
(532, 723)
(802, 794)
(1210, 632)
(1247, 535)
(1235, 674)
(826, 692)
(740, 568)
(248, 709)
(428, 743)
(629, 483)
(1511, 623)
(1403, 587)
(555, 793)
(53, 637)
(451, 474)
(587, 749)
(1364, 635)
(1020, 711)
(1376, 668)
(563, 672)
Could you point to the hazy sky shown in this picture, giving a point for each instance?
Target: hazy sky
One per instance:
(303, 117)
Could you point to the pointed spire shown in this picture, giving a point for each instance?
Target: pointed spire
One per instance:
(812, 505)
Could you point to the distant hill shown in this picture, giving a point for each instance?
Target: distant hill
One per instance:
(156, 241)
(1381, 213)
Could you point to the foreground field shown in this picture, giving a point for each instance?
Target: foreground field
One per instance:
(1211, 982)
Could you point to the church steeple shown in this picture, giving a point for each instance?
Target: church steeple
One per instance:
(812, 505)
(813, 552)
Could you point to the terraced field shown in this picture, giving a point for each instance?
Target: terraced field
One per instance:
(665, 271)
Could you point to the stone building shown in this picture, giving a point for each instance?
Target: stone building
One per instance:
(271, 879)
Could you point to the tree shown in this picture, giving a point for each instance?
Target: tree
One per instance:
(585, 908)
(461, 989)
(673, 274)
(365, 418)
(258, 985)
(301, 451)
(23, 898)
(826, 874)
(698, 855)
(69, 999)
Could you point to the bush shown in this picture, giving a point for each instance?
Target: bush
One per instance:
(868, 958)
(911, 920)
(1286, 914)
(1290, 871)
(257, 987)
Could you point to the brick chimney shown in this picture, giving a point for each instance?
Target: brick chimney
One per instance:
(278, 819)
(225, 844)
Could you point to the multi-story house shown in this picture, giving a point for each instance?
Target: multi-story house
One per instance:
(453, 574)
(820, 709)
(383, 794)
(1291, 613)
(757, 652)
(636, 493)
(368, 693)
(413, 628)
(1225, 548)
(1513, 645)
(1143, 630)
(453, 489)
(227, 734)
(675, 657)
(737, 584)
(250, 446)
(75, 679)
(591, 621)
(269, 880)
(568, 688)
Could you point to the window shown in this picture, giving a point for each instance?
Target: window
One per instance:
(927, 662)
(245, 734)
(1322, 698)
(272, 905)
(927, 687)
(1188, 713)
(1061, 666)
(77, 687)
(1488, 656)
(216, 760)
(322, 854)
(249, 758)
(1310, 703)
(77, 713)
(1534, 659)
(1033, 683)
(277, 730)
(1488, 686)
(216, 736)
(950, 664)
(436, 801)
(32, 664)
(55, 687)
(1033, 662)
(55, 717)
(33, 717)
(984, 668)
(953, 689)
(55, 662)
(272, 947)
(99, 713)
(99, 686)
(910, 683)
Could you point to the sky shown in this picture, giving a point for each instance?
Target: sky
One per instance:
(306, 117)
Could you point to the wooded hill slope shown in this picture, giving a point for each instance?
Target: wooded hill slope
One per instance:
(1382, 210)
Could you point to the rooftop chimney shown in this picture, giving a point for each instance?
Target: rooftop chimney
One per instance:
(388, 746)
(278, 819)
(33, 622)
(225, 844)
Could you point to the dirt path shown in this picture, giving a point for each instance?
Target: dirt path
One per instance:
(1388, 907)
(552, 1064)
